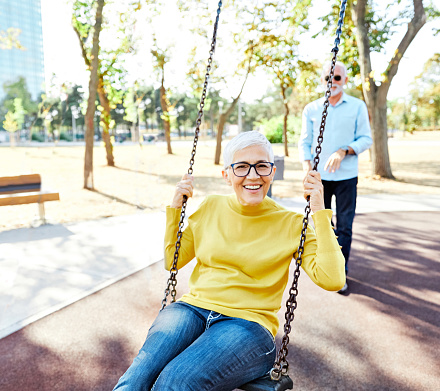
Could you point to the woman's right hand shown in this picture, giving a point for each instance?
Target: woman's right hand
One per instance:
(183, 188)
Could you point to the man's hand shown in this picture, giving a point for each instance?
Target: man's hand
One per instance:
(334, 161)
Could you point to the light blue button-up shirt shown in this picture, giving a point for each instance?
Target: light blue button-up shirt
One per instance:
(347, 124)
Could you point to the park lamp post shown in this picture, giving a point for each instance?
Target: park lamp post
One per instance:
(141, 107)
(47, 119)
(179, 110)
(63, 97)
(148, 121)
(75, 114)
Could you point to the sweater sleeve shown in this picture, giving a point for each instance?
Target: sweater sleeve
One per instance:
(186, 252)
(322, 258)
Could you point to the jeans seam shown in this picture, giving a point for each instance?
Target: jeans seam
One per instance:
(249, 359)
(272, 337)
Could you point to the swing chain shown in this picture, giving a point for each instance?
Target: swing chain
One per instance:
(172, 280)
(281, 365)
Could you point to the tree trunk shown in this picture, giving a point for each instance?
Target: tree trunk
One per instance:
(222, 120)
(376, 97)
(221, 125)
(166, 118)
(286, 115)
(167, 128)
(380, 155)
(218, 147)
(106, 119)
(12, 139)
(91, 106)
(106, 115)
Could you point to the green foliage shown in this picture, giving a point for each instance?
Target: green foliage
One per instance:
(421, 110)
(10, 124)
(382, 23)
(19, 112)
(276, 27)
(131, 109)
(111, 72)
(273, 128)
(65, 136)
(36, 136)
(425, 95)
(18, 89)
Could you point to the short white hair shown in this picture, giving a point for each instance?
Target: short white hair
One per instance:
(327, 65)
(244, 140)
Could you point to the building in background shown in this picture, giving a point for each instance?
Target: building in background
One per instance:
(28, 63)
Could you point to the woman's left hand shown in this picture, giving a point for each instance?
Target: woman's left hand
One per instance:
(313, 187)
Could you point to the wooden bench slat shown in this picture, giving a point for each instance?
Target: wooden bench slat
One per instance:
(20, 180)
(29, 198)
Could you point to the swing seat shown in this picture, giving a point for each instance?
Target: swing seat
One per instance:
(265, 383)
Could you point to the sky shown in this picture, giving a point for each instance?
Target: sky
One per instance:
(63, 57)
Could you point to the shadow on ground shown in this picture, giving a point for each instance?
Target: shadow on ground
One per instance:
(383, 336)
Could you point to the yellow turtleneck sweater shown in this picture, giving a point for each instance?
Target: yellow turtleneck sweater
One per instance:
(243, 255)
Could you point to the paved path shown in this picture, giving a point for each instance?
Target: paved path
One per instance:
(47, 268)
(385, 335)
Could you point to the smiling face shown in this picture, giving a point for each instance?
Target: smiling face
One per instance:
(251, 189)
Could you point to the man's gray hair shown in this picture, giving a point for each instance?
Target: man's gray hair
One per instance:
(327, 65)
(244, 140)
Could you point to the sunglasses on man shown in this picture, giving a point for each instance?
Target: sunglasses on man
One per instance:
(336, 77)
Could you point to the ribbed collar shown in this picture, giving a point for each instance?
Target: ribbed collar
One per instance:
(256, 210)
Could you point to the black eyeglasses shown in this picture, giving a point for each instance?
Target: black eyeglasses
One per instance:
(336, 77)
(242, 169)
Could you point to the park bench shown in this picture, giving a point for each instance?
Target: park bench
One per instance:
(25, 189)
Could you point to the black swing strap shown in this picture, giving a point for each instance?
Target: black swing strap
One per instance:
(281, 364)
(172, 280)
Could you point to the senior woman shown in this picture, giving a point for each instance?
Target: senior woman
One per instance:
(221, 334)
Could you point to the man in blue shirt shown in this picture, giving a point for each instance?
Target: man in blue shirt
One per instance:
(347, 134)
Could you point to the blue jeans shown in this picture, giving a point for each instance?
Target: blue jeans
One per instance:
(189, 348)
(345, 193)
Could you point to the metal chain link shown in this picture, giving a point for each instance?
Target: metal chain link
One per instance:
(172, 280)
(281, 365)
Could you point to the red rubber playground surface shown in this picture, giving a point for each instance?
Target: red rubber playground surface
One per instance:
(383, 335)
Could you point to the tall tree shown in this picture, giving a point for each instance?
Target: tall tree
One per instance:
(376, 95)
(159, 14)
(110, 68)
(161, 59)
(367, 28)
(224, 116)
(277, 26)
(91, 104)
